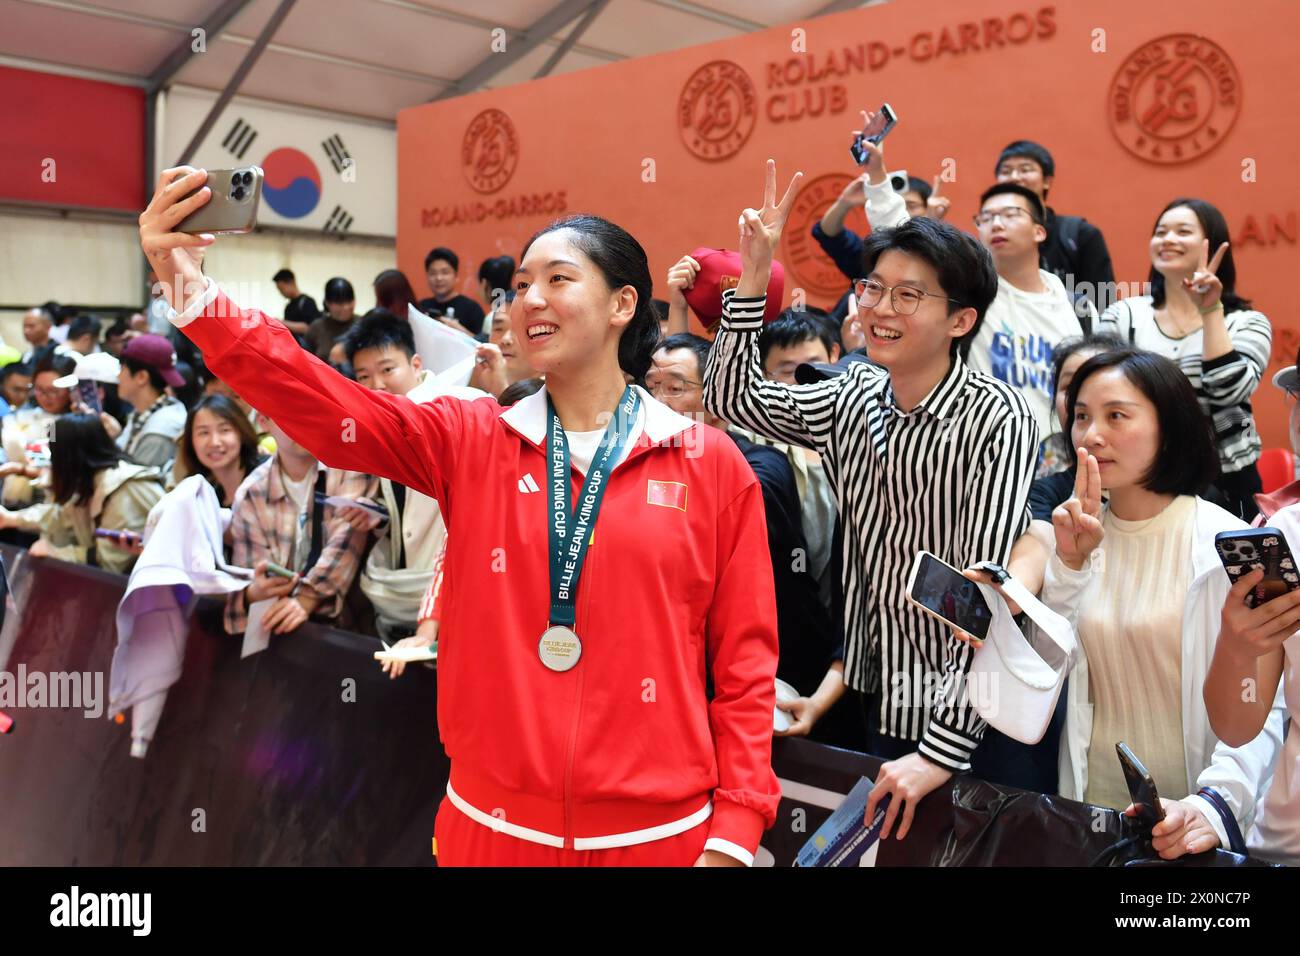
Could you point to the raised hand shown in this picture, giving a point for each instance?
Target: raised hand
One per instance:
(1203, 286)
(872, 123)
(176, 257)
(1247, 633)
(489, 369)
(936, 207)
(760, 229)
(1078, 521)
(681, 277)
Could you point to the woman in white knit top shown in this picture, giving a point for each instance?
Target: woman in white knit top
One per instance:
(1195, 317)
(1141, 583)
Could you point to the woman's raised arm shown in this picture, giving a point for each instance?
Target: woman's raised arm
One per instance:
(344, 424)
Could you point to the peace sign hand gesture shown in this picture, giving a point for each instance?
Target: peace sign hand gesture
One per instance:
(760, 229)
(1203, 286)
(1078, 521)
(937, 206)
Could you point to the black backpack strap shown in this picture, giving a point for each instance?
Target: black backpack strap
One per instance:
(1132, 332)
(1082, 312)
(317, 521)
(1069, 232)
(398, 524)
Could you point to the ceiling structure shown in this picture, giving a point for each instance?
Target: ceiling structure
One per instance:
(366, 58)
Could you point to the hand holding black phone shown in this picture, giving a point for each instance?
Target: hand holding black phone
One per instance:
(1141, 787)
(1259, 549)
(884, 121)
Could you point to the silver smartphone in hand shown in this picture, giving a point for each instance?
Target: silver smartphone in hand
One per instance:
(232, 209)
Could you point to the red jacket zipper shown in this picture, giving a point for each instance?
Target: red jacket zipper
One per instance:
(579, 624)
(571, 748)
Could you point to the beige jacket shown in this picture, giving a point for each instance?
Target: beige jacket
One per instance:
(121, 501)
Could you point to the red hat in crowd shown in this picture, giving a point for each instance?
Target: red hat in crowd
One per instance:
(156, 352)
(720, 270)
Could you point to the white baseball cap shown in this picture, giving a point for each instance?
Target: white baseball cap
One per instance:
(95, 367)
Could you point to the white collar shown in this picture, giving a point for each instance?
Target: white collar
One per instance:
(528, 417)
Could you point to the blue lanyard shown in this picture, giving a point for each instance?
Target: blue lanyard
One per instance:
(569, 529)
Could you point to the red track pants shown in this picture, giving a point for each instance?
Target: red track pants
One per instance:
(465, 842)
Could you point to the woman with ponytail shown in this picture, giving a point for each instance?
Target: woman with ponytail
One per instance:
(607, 560)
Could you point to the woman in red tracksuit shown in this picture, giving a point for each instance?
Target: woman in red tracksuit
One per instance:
(582, 617)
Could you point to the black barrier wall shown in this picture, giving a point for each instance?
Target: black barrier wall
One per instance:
(307, 754)
(304, 754)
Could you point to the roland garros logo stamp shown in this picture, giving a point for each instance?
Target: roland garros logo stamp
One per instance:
(811, 268)
(490, 151)
(1174, 99)
(717, 110)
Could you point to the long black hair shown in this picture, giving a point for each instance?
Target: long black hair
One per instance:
(1215, 228)
(81, 449)
(621, 261)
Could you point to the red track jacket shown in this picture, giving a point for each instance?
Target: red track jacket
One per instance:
(626, 746)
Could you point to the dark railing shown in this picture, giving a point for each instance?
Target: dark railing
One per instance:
(307, 754)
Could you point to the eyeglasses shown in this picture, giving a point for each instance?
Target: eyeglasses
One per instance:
(46, 391)
(904, 299)
(671, 387)
(1008, 214)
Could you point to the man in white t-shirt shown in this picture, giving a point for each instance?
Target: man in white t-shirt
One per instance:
(1032, 312)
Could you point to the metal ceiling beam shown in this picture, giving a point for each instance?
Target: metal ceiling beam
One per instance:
(839, 6)
(550, 22)
(575, 34)
(706, 13)
(469, 20)
(211, 27)
(250, 59)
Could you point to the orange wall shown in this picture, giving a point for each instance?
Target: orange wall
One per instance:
(964, 85)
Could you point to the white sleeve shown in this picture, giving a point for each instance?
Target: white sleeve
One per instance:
(885, 208)
(195, 308)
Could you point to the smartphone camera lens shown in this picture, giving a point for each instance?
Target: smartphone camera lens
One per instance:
(247, 179)
(238, 193)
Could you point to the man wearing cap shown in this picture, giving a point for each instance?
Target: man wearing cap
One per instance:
(1288, 379)
(157, 419)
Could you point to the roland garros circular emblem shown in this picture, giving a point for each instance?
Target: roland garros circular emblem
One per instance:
(807, 267)
(717, 110)
(490, 151)
(1174, 99)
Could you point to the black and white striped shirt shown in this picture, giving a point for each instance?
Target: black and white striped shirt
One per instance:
(950, 477)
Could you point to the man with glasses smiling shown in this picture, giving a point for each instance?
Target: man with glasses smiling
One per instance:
(923, 453)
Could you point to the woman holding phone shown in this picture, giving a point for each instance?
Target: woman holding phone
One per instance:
(1140, 581)
(575, 714)
(1259, 648)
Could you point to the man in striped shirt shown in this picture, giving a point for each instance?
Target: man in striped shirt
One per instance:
(923, 453)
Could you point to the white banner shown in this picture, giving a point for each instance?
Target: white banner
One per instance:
(336, 175)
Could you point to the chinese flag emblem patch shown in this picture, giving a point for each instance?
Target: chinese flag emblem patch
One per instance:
(666, 494)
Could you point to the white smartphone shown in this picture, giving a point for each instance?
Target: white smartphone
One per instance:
(941, 591)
